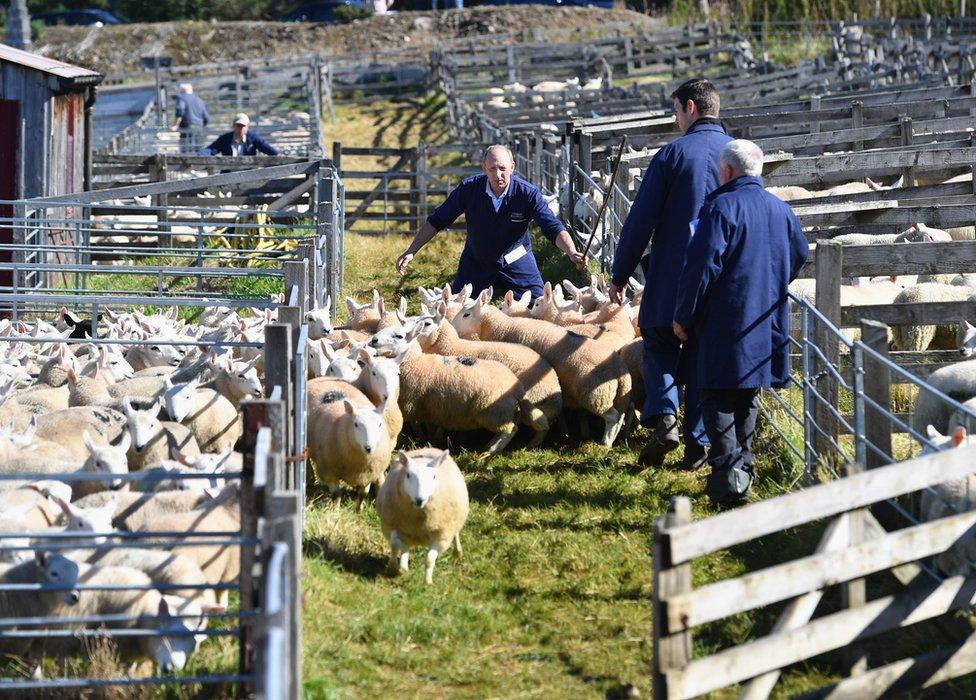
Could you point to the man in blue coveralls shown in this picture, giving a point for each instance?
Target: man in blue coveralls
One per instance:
(747, 248)
(497, 207)
(673, 190)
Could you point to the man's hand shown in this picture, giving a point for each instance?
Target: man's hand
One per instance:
(679, 331)
(402, 262)
(617, 293)
(579, 260)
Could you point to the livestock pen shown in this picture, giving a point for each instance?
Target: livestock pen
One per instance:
(94, 255)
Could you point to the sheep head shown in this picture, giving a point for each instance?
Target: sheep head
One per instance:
(107, 458)
(420, 477)
(368, 428)
(58, 572)
(143, 424)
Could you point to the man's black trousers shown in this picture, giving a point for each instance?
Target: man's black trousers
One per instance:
(729, 416)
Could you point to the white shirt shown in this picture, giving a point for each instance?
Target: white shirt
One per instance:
(236, 149)
(496, 201)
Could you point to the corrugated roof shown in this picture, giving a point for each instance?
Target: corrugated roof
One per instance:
(69, 74)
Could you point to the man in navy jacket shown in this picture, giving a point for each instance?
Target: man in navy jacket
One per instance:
(239, 142)
(497, 207)
(732, 296)
(674, 187)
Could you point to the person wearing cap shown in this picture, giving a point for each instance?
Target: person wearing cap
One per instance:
(191, 117)
(746, 248)
(497, 206)
(239, 142)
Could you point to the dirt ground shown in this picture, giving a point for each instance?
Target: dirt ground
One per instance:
(118, 48)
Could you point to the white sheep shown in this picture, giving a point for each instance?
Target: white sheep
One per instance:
(917, 338)
(543, 400)
(348, 440)
(592, 376)
(948, 498)
(958, 381)
(213, 419)
(423, 502)
(153, 440)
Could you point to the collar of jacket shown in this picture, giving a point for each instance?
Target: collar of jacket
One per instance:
(702, 122)
(736, 184)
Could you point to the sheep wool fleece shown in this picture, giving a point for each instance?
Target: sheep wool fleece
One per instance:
(497, 251)
(747, 248)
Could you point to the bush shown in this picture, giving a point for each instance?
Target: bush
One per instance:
(348, 13)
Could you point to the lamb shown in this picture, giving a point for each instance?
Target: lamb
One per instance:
(958, 381)
(160, 355)
(612, 325)
(379, 379)
(67, 428)
(423, 502)
(26, 603)
(136, 510)
(154, 440)
(236, 381)
(460, 393)
(54, 372)
(592, 376)
(348, 440)
(212, 419)
(543, 400)
(397, 317)
(924, 337)
(966, 338)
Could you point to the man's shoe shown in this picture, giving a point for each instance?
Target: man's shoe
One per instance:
(728, 488)
(695, 457)
(663, 439)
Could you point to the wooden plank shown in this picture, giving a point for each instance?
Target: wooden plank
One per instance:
(904, 676)
(672, 651)
(919, 602)
(723, 530)
(901, 259)
(799, 611)
(921, 313)
(877, 387)
(811, 210)
(828, 274)
(781, 582)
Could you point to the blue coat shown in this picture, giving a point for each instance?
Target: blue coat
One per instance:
(191, 111)
(746, 249)
(252, 144)
(672, 192)
(492, 236)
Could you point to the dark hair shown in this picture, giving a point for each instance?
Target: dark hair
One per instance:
(702, 92)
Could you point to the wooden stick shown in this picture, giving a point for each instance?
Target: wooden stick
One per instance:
(606, 200)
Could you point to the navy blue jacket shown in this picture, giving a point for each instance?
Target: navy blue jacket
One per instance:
(746, 249)
(672, 192)
(191, 111)
(492, 235)
(252, 144)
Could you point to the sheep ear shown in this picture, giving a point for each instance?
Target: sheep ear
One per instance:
(440, 312)
(465, 293)
(966, 325)
(526, 298)
(509, 297)
(89, 443)
(350, 409)
(446, 292)
(65, 507)
(402, 458)
(125, 442)
(156, 408)
(40, 557)
(31, 428)
(379, 304)
(403, 306)
(73, 377)
(932, 432)
(182, 458)
(872, 184)
(163, 607)
(958, 436)
(351, 305)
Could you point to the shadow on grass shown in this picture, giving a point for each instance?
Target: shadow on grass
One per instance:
(360, 563)
(491, 489)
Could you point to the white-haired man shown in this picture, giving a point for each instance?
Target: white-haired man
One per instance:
(497, 206)
(746, 248)
(191, 118)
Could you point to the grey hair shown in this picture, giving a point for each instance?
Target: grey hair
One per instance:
(186, 88)
(745, 157)
(497, 147)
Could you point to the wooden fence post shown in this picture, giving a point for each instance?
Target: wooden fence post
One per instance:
(421, 171)
(296, 275)
(828, 277)
(857, 122)
(814, 107)
(674, 650)
(877, 387)
(854, 592)
(907, 139)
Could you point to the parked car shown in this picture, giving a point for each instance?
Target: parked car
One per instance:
(80, 18)
(321, 11)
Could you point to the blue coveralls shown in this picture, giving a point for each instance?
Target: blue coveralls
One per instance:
(732, 294)
(253, 142)
(494, 235)
(672, 192)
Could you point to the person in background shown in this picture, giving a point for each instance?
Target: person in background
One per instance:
(239, 142)
(732, 295)
(191, 118)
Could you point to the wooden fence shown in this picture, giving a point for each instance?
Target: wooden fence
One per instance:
(852, 550)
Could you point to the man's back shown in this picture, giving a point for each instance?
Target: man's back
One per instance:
(191, 110)
(673, 190)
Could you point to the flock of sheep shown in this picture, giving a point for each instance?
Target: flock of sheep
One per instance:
(112, 461)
